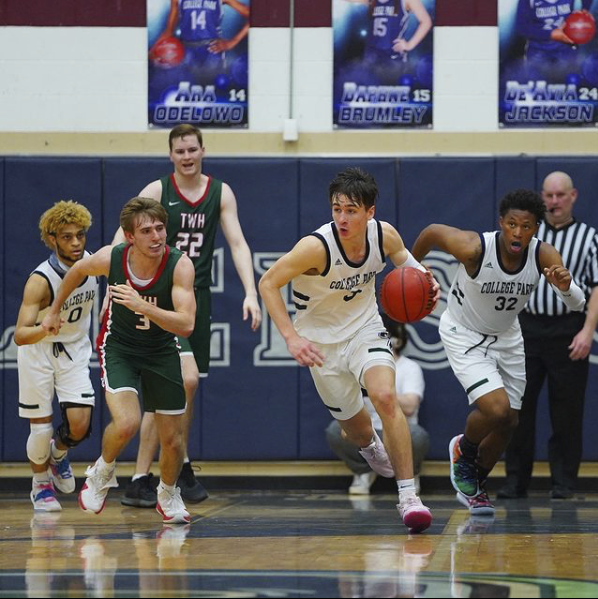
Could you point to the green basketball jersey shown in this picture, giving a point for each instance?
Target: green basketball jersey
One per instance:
(192, 224)
(131, 330)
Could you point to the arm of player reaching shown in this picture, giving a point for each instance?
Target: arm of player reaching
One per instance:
(231, 227)
(560, 278)
(179, 321)
(308, 255)
(96, 265)
(35, 295)
(465, 246)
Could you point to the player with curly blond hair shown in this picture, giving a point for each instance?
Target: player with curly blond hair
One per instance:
(56, 364)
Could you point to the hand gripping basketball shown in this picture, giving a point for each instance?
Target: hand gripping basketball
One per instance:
(580, 27)
(167, 52)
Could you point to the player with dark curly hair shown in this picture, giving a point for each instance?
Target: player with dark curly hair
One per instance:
(481, 334)
(49, 364)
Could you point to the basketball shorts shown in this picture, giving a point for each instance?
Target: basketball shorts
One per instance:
(158, 378)
(484, 365)
(340, 379)
(46, 368)
(198, 343)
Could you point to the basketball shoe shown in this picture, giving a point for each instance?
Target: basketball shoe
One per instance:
(62, 473)
(191, 489)
(464, 474)
(375, 455)
(416, 516)
(480, 505)
(171, 506)
(140, 492)
(92, 497)
(43, 497)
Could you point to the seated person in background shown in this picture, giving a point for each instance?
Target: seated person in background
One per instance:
(410, 392)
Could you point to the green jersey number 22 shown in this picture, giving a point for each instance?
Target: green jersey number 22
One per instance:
(190, 243)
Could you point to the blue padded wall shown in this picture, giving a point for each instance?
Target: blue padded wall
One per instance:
(512, 173)
(257, 403)
(6, 347)
(124, 178)
(254, 411)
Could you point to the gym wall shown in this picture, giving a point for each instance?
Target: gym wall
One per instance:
(257, 404)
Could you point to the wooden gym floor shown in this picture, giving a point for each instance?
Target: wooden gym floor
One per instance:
(300, 544)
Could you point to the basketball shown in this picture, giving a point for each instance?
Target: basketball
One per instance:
(407, 294)
(580, 27)
(167, 52)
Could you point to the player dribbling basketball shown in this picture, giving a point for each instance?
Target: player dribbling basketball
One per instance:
(481, 334)
(338, 332)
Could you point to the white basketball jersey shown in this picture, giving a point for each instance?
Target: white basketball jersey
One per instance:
(333, 306)
(76, 310)
(490, 300)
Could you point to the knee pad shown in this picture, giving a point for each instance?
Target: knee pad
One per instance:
(38, 443)
(63, 432)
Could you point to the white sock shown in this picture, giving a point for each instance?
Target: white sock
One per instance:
(102, 465)
(406, 486)
(169, 488)
(137, 476)
(41, 478)
(58, 454)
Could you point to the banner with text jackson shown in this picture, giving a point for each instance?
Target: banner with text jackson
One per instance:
(548, 63)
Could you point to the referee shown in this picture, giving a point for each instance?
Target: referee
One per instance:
(557, 346)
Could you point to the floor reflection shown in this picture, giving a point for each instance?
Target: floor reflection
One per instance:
(302, 545)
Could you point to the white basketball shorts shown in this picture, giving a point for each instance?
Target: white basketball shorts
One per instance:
(340, 379)
(484, 364)
(45, 369)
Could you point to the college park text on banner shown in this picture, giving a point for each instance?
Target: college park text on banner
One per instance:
(548, 63)
(197, 62)
(383, 56)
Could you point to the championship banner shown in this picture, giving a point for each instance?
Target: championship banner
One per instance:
(383, 51)
(548, 63)
(197, 62)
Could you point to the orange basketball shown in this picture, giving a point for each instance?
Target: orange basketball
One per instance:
(407, 294)
(167, 53)
(580, 27)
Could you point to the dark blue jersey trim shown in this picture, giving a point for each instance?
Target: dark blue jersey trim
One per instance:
(328, 259)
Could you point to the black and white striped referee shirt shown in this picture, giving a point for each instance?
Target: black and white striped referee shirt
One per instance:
(577, 243)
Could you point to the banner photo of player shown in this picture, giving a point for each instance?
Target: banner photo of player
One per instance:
(548, 63)
(197, 62)
(383, 55)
